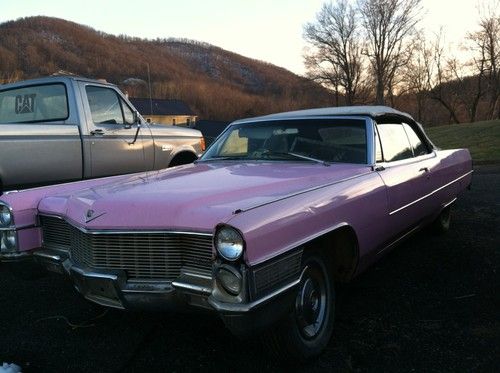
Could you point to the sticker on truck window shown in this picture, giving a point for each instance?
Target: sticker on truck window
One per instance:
(34, 103)
(25, 104)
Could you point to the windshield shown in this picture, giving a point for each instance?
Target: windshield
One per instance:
(323, 140)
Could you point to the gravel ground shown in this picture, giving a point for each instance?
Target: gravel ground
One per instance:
(432, 305)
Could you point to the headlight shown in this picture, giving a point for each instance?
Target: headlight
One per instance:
(229, 243)
(230, 279)
(5, 217)
(8, 241)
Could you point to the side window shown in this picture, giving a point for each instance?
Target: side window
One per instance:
(378, 148)
(395, 143)
(104, 105)
(418, 146)
(31, 104)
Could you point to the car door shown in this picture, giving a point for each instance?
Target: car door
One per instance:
(406, 170)
(114, 147)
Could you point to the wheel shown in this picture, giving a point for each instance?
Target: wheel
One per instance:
(442, 223)
(306, 331)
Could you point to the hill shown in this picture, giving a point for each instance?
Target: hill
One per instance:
(216, 83)
(482, 139)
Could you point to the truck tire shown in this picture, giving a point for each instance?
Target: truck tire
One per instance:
(183, 158)
(306, 330)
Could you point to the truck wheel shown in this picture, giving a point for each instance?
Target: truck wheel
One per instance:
(306, 331)
(183, 158)
(442, 223)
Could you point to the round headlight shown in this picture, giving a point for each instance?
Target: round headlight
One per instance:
(230, 280)
(5, 216)
(8, 241)
(229, 243)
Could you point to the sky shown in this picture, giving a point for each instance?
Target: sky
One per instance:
(267, 30)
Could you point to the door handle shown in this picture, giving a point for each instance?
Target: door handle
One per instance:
(424, 169)
(97, 132)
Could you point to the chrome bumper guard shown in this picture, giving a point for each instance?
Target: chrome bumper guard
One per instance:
(15, 257)
(110, 287)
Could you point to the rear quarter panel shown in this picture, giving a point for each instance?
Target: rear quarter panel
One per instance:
(452, 175)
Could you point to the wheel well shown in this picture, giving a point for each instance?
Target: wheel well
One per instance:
(341, 248)
(184, 157)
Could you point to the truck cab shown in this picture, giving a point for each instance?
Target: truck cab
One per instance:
(61, 128)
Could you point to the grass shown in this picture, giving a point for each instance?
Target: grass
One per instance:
(482, 139)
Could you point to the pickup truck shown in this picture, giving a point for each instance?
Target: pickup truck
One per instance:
(65, 128)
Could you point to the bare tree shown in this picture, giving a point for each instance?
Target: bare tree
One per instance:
(438, 77)
(335, 56)
(414, 75)
(388, 25)
(466, 87)
(486, 43)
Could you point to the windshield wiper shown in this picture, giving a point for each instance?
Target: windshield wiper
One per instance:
(221, 159)
(300, 156)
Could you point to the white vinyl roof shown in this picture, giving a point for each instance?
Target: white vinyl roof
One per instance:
(371, 111)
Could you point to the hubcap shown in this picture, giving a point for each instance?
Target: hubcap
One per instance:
(311, 303)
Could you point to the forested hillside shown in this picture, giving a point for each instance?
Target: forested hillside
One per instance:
(216, 83)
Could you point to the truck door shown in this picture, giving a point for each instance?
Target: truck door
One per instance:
(38, 129)
(405, 165)
(111, 132)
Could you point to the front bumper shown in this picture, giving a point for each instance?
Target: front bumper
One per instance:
(187, 293)
(110, 287)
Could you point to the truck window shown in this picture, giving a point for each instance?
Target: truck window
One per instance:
(31, 104)
(105, 105)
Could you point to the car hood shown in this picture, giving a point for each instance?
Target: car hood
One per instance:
(194, 197)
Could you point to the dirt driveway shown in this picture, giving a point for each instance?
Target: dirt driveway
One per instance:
(432, 305)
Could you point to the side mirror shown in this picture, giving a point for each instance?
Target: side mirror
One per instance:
(135, 120)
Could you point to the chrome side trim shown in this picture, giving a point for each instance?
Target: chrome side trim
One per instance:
(430, 194)
(399, 239)
(449, 203)
(10, 192)
(118, 231)
(238, 211)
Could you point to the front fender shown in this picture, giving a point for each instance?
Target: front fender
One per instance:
(281, 226)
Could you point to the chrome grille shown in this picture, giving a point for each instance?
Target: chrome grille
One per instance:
(144, 256)
(56, 233)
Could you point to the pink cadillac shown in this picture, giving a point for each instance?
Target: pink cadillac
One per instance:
(258, 230)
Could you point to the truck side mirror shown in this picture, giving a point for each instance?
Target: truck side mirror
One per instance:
(135, 120)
